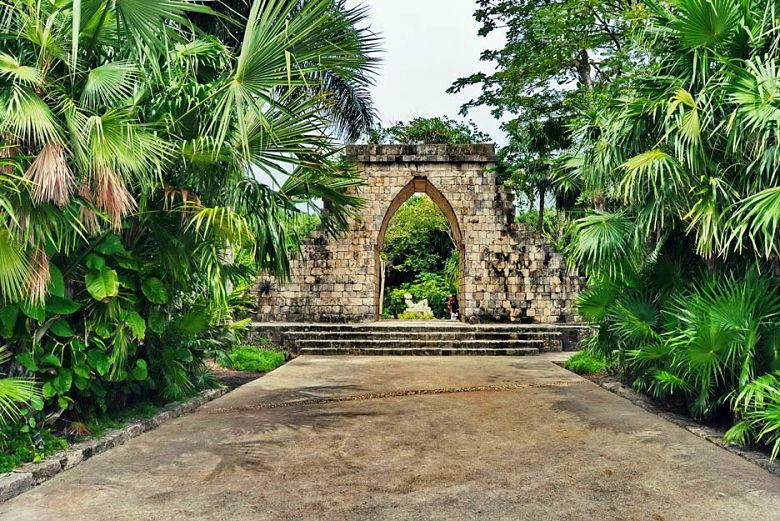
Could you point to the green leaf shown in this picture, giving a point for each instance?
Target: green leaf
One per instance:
(81, 383)
(63, 381)
(37, 312)
(62, 328)
(49, 360)
(154, 290)
(99, 361)
(48, 390)
(184, 355)
(157, 321)
(64, 402)
(192, 323)
(98, 388)
(103, 285)
(127, 263)
(27, 361)
(81, 370)
(36, 403)
(140, 371)
(136, 324)
(111, 245)
(57, 282)
(8, 317)
(95, 262)
(61, 306)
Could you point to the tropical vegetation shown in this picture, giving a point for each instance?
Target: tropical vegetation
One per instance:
(437, 130)
(154, 158)
(668, 163)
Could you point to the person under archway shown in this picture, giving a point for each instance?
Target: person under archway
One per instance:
(453, 306)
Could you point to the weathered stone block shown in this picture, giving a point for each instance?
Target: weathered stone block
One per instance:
(14, 483)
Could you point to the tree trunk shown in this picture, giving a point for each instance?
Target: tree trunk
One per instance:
(540, 224)
(584, 69)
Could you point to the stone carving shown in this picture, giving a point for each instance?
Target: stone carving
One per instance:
(508, 274)
(421, 307)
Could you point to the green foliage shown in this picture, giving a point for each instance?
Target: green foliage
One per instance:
(132, 218)
(253, 359)
(536, 77)
(679, 164)
(23, 447)
(96, 426)
(433, 287)
(411, 315)
(758, 408)
(531, 220)
(429, 131)
(586, 363)
(418, 240)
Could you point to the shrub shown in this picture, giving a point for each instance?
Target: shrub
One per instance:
(433, 287)
(253, 359)
(758, 407)
(585, 363)
(407, 315)
(23, 447)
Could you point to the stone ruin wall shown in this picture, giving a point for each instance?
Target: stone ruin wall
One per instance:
(508, 274)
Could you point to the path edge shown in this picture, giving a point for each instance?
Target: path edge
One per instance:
(711, 434)
(30, 475)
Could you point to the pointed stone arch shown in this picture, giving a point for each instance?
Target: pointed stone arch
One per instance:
(418, 185)
(507, 272)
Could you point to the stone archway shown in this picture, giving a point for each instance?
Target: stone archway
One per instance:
(508, 274)
(418, 185)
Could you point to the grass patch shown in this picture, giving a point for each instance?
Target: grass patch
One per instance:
(410, 315)
(17, 448)
(252, 359)
(97, 426)
(585, 363)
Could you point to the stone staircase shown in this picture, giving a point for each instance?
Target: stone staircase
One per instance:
(432, 338)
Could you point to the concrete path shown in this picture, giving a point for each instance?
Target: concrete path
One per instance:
(412, 439)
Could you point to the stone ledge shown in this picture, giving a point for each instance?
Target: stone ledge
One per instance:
(710, 434)
(27, 476)
(474, 153)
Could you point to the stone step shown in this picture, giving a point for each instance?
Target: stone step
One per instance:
(419, 344)
(540, 340)
(426, 335)
(436, 334)
(415, 326)
(415, 351)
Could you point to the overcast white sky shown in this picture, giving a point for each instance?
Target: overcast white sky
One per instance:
(429, 44)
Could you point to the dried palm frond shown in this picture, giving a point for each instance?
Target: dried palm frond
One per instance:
(112, 196)
(51, 176)
(88, 217)
(7, 152)
(38, 277)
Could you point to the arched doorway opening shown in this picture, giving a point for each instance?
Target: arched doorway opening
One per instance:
(419, 185)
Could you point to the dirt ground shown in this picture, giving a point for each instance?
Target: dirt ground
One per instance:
(451, 438)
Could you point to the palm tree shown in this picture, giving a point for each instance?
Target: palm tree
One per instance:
(130, 134)
(686, 160)
(95, 126)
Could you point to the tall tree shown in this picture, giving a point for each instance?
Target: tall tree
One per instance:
(558, 57)
(553, 50)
